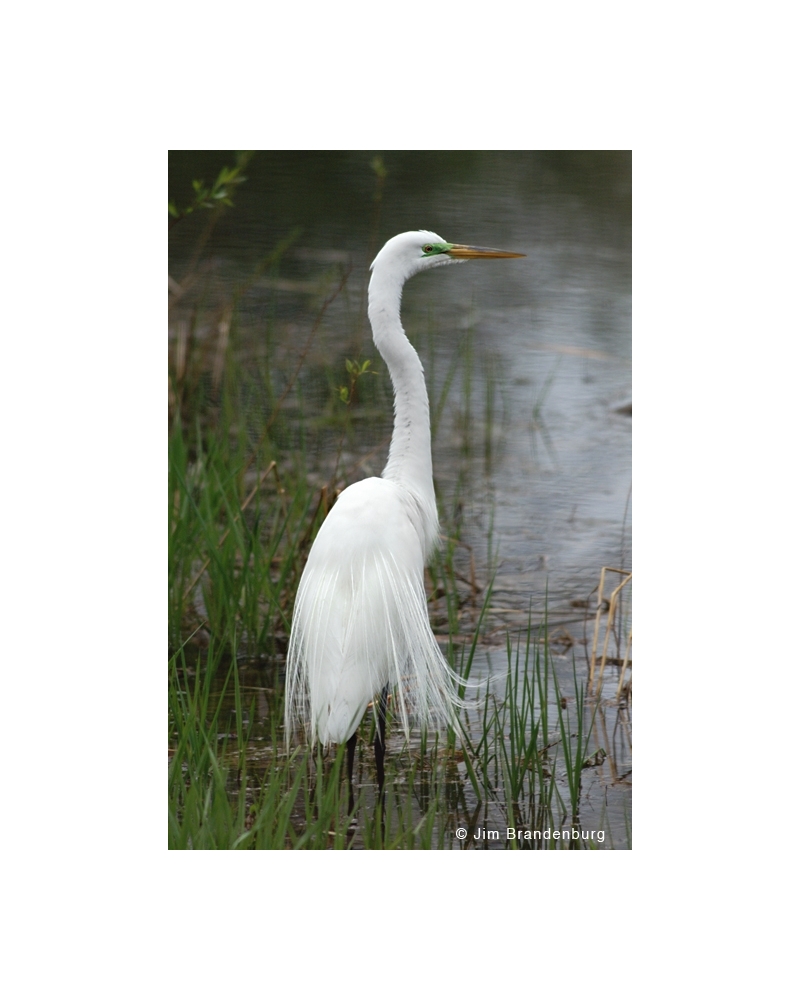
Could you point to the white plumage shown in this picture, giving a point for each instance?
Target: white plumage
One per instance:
(360, 619)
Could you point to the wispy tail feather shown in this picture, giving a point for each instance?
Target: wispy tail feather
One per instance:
(356, 629)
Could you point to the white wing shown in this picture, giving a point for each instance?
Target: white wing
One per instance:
(361, 620)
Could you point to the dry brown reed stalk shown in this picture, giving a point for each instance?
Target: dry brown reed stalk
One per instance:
(612, 607)
(624, 666)
(322, 504)
(181, 344)
(608, 740)
(224, 330)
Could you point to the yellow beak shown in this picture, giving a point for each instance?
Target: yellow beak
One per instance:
(467, 253)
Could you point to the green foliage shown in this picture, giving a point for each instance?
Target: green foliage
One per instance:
(219, 193)
(355, 370)
(379, 168)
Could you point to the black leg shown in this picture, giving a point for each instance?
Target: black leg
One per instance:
(380, 753)
(351, 756)
(380, 738)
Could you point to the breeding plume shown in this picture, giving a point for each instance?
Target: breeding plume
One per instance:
(360, 625)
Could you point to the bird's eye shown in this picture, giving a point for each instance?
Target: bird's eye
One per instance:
(428, 248)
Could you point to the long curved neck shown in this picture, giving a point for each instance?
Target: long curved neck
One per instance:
(410, 452)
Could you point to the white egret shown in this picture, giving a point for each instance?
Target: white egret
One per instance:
(360, 625)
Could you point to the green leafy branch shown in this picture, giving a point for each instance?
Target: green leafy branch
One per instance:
(355, 371)
(220, 192)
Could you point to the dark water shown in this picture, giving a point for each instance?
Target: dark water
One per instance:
(532, 449)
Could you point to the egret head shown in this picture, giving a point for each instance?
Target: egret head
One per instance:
(409, 253)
